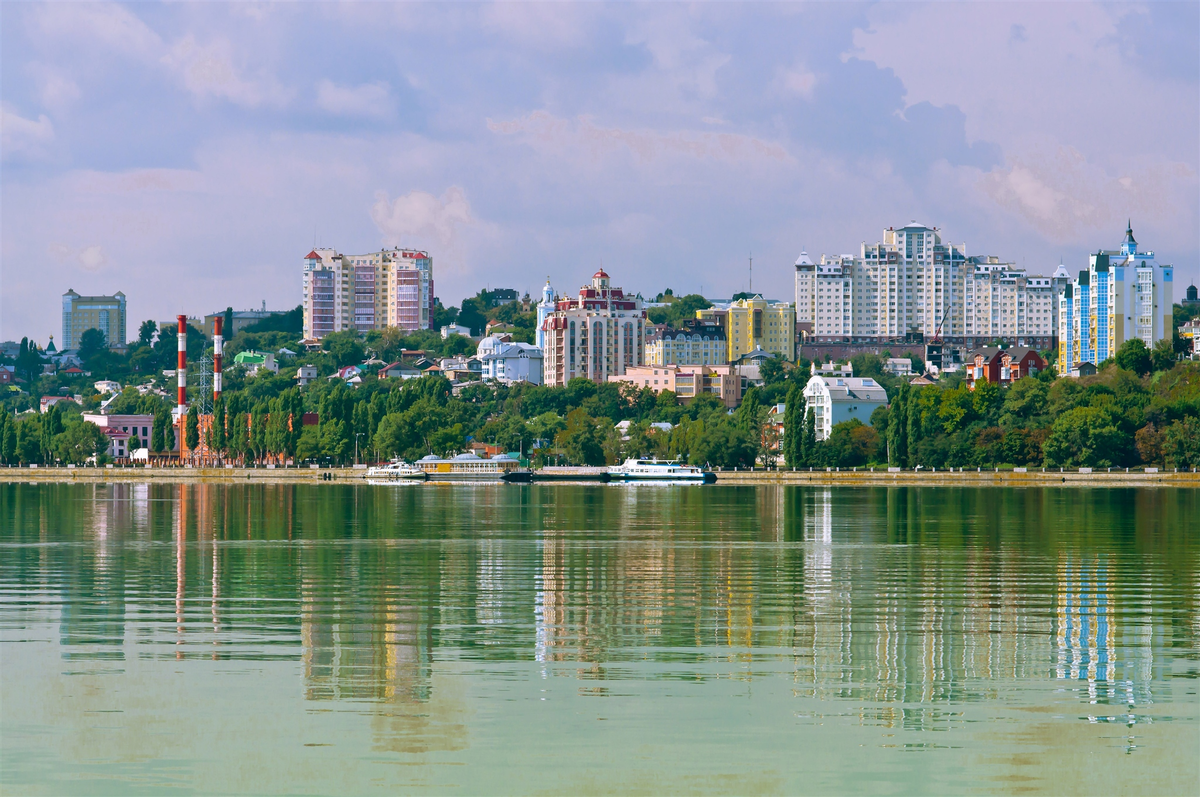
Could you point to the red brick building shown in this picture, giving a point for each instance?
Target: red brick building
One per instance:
(1002, 366)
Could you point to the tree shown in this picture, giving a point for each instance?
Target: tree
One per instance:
(8, 443)
(1134, 356)
(146, 333)
(29, 362)
(79, 441)
(581, 440)
(792, 429)
(91, 343)
(344, 347)
(897, 438)
(809, 441)
(1162, 356)
(1084, 437)
(772, 370)
(191, 433)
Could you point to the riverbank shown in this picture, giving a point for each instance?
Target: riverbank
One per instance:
(972, 478)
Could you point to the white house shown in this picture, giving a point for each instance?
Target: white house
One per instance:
(510, 362)
(898, 366)
(306, 374)
(106, 386)
(455, 329)
(836, 396)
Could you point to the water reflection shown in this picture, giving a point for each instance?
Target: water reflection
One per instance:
(892, 608)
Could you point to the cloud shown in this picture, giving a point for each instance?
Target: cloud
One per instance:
(798, 80)
(209, 71)
(24, 137)
(108, 24)
(1064, 196)
(370, 100)
(92, 258)
(418, 214)
(55, 91)
(545, 131)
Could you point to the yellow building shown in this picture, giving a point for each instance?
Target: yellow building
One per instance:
(756, 323)
(81, 313)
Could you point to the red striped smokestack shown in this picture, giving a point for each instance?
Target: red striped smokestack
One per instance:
(181, 366)
(218, 348)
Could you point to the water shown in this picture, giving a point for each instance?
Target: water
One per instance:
(593, 639)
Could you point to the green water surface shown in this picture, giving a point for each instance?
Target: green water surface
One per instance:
(495, 639)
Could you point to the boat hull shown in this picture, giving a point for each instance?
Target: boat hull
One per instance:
(702, 478)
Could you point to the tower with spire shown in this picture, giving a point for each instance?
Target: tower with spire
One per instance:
(544, 308)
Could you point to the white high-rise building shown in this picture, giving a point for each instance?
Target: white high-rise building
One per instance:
(595, 335)
(1123, 294)
(388, 288)
(911, 282)
(544, 308)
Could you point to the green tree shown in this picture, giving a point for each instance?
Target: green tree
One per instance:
(897, 433)
(1134, 356)
(344, 347)
(1162, 356)
(1181, 443)
(91, 343)
(581, 439)
(8, 443)
(191, 433)
(772, 370)
(809, 442)
(792, 427)
(78, 442)
(146, 333)
(218, 426)
(1084, 437)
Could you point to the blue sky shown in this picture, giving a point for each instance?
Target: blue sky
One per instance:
(190, 154)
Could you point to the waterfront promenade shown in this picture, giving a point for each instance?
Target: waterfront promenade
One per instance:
(862, 476)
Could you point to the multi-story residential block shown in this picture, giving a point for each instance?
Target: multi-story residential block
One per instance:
(241, 319)
(388, 288)
(697, 342)
(1123, 294)
(595, 335)
(911, 282)
(755, 323)
(81, 313)
(687, 381)
(834, 395)
(507, 362)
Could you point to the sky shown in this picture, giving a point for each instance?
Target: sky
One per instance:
(190, 154)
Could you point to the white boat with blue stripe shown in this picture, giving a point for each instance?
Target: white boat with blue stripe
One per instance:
(659, 470)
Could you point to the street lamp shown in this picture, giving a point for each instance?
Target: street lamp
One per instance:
(356, 436)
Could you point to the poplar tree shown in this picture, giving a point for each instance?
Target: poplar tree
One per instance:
(809, 442)
(914, 427)
(8, 446)
(791, 428)
(191, 432)
(218, 436)
(897, 431)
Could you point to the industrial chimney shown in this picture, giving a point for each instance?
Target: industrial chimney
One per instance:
(218, 348)
(181, 367)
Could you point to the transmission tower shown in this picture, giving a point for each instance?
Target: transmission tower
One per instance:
(204, 386)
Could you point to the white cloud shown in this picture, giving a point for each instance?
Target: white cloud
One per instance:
(799, 80)
(21, 136)
(92, 258)
(418, 214)
(108, 24)
(209, 71)
(545, 131)
(371, 100)
(56, 91)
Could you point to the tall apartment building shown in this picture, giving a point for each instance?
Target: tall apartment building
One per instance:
(388, 288)
(1123, 294)
(595, 335)
(81, 313)
(755, 323)
(911, 282)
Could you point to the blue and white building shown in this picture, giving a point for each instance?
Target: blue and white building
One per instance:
(544, 308)
(835, 395)
(1123, 294)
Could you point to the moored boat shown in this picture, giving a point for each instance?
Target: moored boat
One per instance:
(468, 467)
(654, 470)
(397, 469)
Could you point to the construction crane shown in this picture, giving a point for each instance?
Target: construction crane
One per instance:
(933, 349)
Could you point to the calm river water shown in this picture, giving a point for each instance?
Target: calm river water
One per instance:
(593, 639)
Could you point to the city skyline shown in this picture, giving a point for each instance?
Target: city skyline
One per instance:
(666, 143)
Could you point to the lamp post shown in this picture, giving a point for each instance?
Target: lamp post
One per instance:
(356, 436)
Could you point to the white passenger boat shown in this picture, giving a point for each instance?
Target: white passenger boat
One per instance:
(469, 467)
(395, 470)
(655, 470)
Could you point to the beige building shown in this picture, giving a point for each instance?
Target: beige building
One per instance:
(687, 381)
(596, 335)
(698, 343)
(81, 313)
(388, 288)
(755, 323)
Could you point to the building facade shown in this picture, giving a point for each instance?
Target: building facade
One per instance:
(1002, 366)
(595, 335)
(835, 396)
(911, 283)
(388, 288)
(696, 343)
(1123, 294)
(507, 362)
(755, 323)
(687, 381)
(81, 313)
(122, 430)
